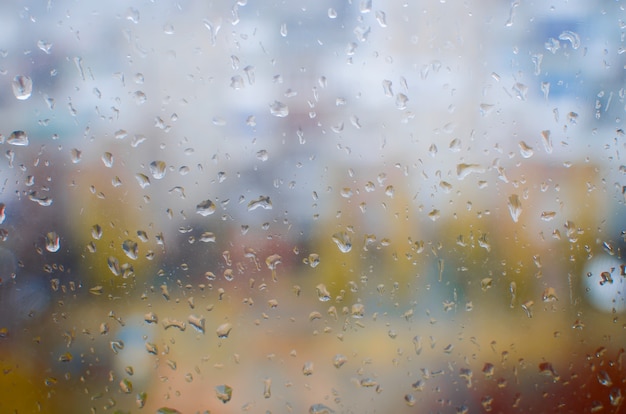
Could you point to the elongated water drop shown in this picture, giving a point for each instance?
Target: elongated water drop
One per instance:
(22, 87)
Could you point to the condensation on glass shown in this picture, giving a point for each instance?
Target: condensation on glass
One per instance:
(312, 206)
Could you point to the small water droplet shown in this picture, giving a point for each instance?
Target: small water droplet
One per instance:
(308, 368)
(223, 330)
(279, 109)
(53, 242)
(571, 37)
(463, 170)
(528, 308)
(332, 13)
(313, 260)
(381, 18)
(197, 322)
(158, 169)
(546, 368)
(320, 409)
(343, 241)
(107, 159)
(206, 208)
(322, 293)
(357, 310)
(44, 46)
(283, 30)
(22, 87)
(76, 155)
(143, 180)
(515, 207)
(224, 393)
(131, 249)
(525, 150)
(339, 360)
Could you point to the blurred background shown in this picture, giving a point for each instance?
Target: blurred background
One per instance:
(348, 206)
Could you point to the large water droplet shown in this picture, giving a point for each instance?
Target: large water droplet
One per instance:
(18, 138)
(22, 87)
(206, 208)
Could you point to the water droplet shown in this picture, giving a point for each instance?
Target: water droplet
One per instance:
(549, 295)
(41, 200)
(548, 215)
(332, 13)
(466, 374)
(320, 409)
(515, 207)
(381, 18)
(463, 170)
(486, 109)
(151, 317)
(167, 410)
(131, 249)
(283, 30)
(107, 159)
(116, 346)
(197, 322)
(339, 360)
(143, 180)
(322, 293)
(401, 100)
(263, 201)
(525, 150)
(434, 215)
(44, 46)
(571, 37)
(279, 109)
(140, 399)
(53, 242)
(174, 323)
(604, 378)
(545, 368)
(357, 310)
(126, 386)
(206, 208)
(223, 330)
(313, 260)
(18, 138)
(267, 387)
(114, 265)
(308, 368)
(158, 169)
(343, 241)
(528, 308)
(224, 393)
(22, 87)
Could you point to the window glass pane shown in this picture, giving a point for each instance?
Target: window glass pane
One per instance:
(312, 206)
